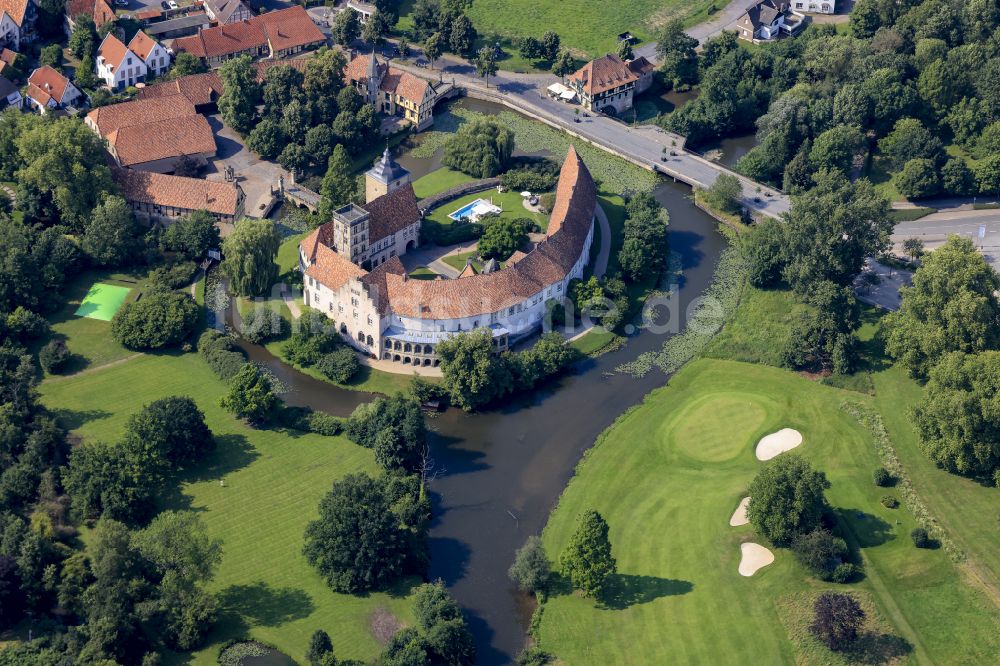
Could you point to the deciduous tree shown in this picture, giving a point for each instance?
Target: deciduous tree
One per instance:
(250, 252)
(587, 559)
(951, 306)
(786, 499)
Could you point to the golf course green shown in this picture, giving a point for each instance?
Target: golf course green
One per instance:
(668, 475)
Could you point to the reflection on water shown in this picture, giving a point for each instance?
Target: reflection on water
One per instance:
(501, 472)
(728, 151)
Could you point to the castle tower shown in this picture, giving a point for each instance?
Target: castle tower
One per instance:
(384, 177)
(350, 232)
(374, 81)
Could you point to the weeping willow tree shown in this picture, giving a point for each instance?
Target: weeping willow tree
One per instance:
(250, 252)
(481, 148)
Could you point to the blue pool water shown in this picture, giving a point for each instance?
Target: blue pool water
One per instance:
(465, 211)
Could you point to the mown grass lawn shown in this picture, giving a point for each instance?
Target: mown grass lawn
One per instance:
(668, 475)
(89, 340)
(439, 181)
(585, 27)
(510, 202)
(969, 511)
(273, 483)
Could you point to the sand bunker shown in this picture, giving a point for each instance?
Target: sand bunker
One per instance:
(785, 439)
(755, 557)
(740, 515)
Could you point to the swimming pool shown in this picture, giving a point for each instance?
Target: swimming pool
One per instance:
(474, 210)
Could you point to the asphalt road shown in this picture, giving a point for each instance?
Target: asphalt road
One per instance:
(935, 228)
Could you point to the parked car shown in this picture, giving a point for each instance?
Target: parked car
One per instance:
(164, 5)
(173, 5)
(121, 3)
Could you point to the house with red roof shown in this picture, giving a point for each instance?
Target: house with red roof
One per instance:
(17, 22)
(100, 10)
(277, 34)
(392, 91)
(49, 90)
(610, 84)
(120, 66)
(154, 134)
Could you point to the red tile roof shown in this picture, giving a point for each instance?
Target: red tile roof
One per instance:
(205, 88)
(142, 45)
(112, 50)
(391, 213)
(603, 74)
(283, 29)
(138, 144)
(199, 89)
(469, 296)
(108, 119)
(7, 58)
(45, 82)
(178, 192)
(290, 28)
(395, 81)
(16, 9)
(99, 10)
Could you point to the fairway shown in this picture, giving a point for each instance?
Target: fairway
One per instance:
(667, 477)
(102, 301)
(273, 484)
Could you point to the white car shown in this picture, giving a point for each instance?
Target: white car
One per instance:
(173, 4)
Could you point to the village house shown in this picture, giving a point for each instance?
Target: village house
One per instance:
(224, 12)
(609, 84)
(9, 94)
(154, 134)
(392, 91)
(17, 22)
(275, 34)
(49, 90)
(162, 198)
(120, 66)
(766, 20)
(100, 10)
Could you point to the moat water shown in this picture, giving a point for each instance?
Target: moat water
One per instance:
(500, 473)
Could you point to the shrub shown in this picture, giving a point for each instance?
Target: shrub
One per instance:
(262, 324)
(845, 573)
(340, 365)
(173, 276)
(25, 325)
(161, 319)
(882, 477)
(889, 502)
(221, 354)
(251, 395)
(54, 357)
(820, 552)
(322, 423)
(920, 538)
(313, 340)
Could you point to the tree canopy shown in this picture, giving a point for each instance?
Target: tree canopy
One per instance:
(957, 419)
(587, 558)
(786, 499)
(250, 253)
(481, 148)
(951, 306)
